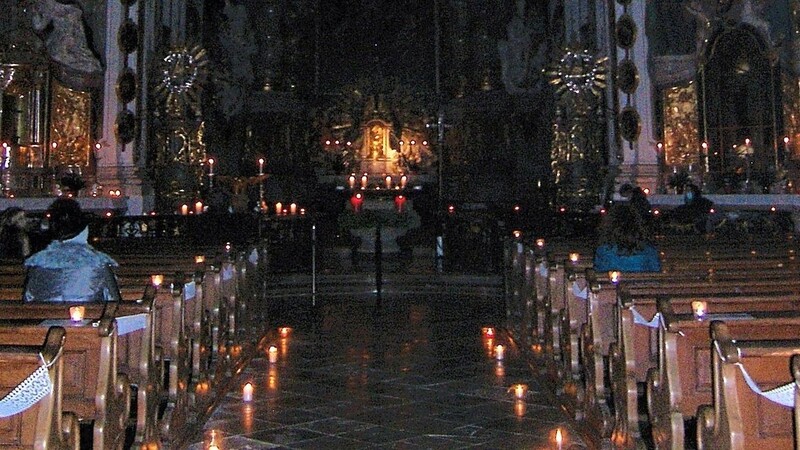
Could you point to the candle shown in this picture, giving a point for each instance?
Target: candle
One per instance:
(261, 166)
(400, 203)
(517, 234)
(356, 201)
(559, 439)
(520, 391)
(199, 259)
(574, 257)
(211, 167)
(388, 181)
(351, 181)
(499, 352)
(700, 308)
(273, 354)
(157, 280)
(293, 208)
(247, 392)
(488, 331)
(364, 181)
(403, 181)
(285, 331)
(614, 276)
(198, 208)
(278, 208)
(185, 210)
(76, 313)
(540, 243)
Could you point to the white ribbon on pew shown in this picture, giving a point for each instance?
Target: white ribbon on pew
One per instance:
(32, 389)
(227, 272)
(189, 290)
(782, 395)
(129, 324)
(578, 292)
(253, 258)
(639, 319)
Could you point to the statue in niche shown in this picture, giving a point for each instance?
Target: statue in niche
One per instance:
(376, 142)
(64, 34)
(517, 57)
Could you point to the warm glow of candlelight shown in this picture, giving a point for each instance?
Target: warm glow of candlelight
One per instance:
(500, 370)
(700, 309)
(293, 208)
(184, 210)
(574, 257)
(157, 280)
(614, 276)
(388, 181)
(273, 354)
(364, 181)
(488, 332)
(198, 208)
(520, 391)
(540, 243)
(278, 208)
(403, 181)
(499, 352)
(351, 181)
(76, 313)
(517, 234)
(261, 166)
(285, 331)
(199, 259)
(247, 392)
(520, 408)
(559, 439)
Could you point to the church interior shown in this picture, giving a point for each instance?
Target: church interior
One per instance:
(356, 224)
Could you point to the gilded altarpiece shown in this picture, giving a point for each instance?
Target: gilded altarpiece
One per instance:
(790, 86)
(681, 138)
(70, 127)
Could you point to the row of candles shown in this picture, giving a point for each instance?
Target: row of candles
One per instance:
(272, 356)
(357, 202)
(211, 162)
(387, 181)
(518, 390)
(280, 209)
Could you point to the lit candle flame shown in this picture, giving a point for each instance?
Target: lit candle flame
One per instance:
(499, 352)
(76, 313)
(700, 308)
(247, 392)
(559, 438)
(157, 280)
(273, 354)
(574, 257)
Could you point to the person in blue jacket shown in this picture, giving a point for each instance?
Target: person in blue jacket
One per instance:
(70, 270)
(623, 243)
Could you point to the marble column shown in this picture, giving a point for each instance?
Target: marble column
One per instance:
(640, 158)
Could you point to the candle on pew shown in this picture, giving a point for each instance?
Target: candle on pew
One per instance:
(76, 313)
(699, 308)
(157, 280)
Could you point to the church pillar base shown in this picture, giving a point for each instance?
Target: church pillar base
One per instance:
(135, 189)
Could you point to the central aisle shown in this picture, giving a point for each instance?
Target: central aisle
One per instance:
(416, 372)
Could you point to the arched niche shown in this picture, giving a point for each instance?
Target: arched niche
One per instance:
(740, 103)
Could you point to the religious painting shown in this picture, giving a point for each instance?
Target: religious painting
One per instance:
(70, 127)
(681, 140)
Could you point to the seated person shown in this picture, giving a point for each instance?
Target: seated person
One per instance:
(636, 197)
(69, 269)
(623, 244)
(14, 241)
(695, 209)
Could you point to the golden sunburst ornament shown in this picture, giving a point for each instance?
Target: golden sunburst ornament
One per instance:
(579, 74)
(182, 72)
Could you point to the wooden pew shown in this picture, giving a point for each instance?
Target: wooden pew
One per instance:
(739, 418)
(43, 425)
(136, 349)
(682, 380)
(92, 388)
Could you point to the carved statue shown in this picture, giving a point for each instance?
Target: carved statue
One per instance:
(515, 52)
(65, 35)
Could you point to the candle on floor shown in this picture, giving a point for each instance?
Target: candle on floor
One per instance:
(520, 391)
(273, 354)
(559, 439)
(76, 313)
(247, 392)
(499, 352)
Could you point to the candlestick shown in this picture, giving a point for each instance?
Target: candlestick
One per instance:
(559, 439)
(185, 210)
(261, 166)
(388, 181)
(284, 331)
(211, 167)
(278, 208)
(614, 276)
(499, 352)
(364, 181)
(403, 181)
(520, 391)
(198, 208)
(293, 208)
(351, 181)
